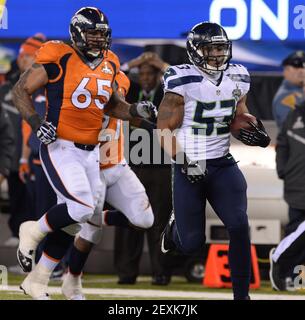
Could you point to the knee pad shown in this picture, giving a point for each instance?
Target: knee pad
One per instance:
(91, 233)
(79, 212)
(144, 219)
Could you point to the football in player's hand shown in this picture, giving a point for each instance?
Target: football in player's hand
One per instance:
(241, 121)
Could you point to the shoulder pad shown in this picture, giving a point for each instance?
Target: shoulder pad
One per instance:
(177, 77)
(238, 73)
(113, 58)
(178, 71)
(52, 51)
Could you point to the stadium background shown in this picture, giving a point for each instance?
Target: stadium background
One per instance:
(160, 26)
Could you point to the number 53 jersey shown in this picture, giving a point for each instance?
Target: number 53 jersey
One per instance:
(77, 90)
(209, 107)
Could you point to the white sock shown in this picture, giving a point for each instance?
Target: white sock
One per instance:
(43, 224)
(49, 262)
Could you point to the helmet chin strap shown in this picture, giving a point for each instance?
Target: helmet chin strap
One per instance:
(212, 71)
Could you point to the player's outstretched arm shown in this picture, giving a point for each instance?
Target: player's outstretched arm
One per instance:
(120, 109)
(31, 80)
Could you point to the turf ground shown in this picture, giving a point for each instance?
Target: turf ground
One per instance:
(105, 287)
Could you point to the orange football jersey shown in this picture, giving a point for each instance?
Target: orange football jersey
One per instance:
(111, 137)
(77, 90)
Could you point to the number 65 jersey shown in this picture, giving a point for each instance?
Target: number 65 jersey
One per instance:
(209, 107)
(77, 90)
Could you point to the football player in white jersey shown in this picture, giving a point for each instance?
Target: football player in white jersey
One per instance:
(201, 99)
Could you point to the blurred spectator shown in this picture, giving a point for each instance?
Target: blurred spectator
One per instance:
(16, 189)
(40, 195)
(291, 88)
(7, 144)
(156, 179)
(21, 195)
(290, 161)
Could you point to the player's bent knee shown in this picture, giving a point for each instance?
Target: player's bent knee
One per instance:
(91, 233)
(79, 212)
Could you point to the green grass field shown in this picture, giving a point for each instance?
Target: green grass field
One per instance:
(104, 284)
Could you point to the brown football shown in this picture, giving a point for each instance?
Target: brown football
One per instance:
(242, 122)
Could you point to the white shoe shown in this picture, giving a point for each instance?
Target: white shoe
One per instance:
(72, 287)
(29, 238)
(11, 242)
(36, 283)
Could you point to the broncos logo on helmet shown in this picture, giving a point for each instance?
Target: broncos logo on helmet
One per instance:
(208, 47)
(90, 32)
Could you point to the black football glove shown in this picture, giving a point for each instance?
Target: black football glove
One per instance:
(194, 170)
(144, 109)
(46, 133)
(257, 137)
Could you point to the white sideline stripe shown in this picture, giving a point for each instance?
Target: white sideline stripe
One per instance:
(167, 294)
(288, 241)
(295, 136)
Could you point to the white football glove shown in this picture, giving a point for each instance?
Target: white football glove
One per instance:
(144, 109)
(46, 133)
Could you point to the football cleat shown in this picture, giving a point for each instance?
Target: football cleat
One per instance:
(36, 283)
(29, 238)
(278, 283)
(167, 244)
(72, 287)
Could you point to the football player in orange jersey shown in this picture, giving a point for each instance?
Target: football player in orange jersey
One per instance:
(122, 190)
(79, 82)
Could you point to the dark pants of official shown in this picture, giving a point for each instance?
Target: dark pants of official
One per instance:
(295, 253)
(129, 242)
(45, 198)
(21, 202)
(225, 189)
